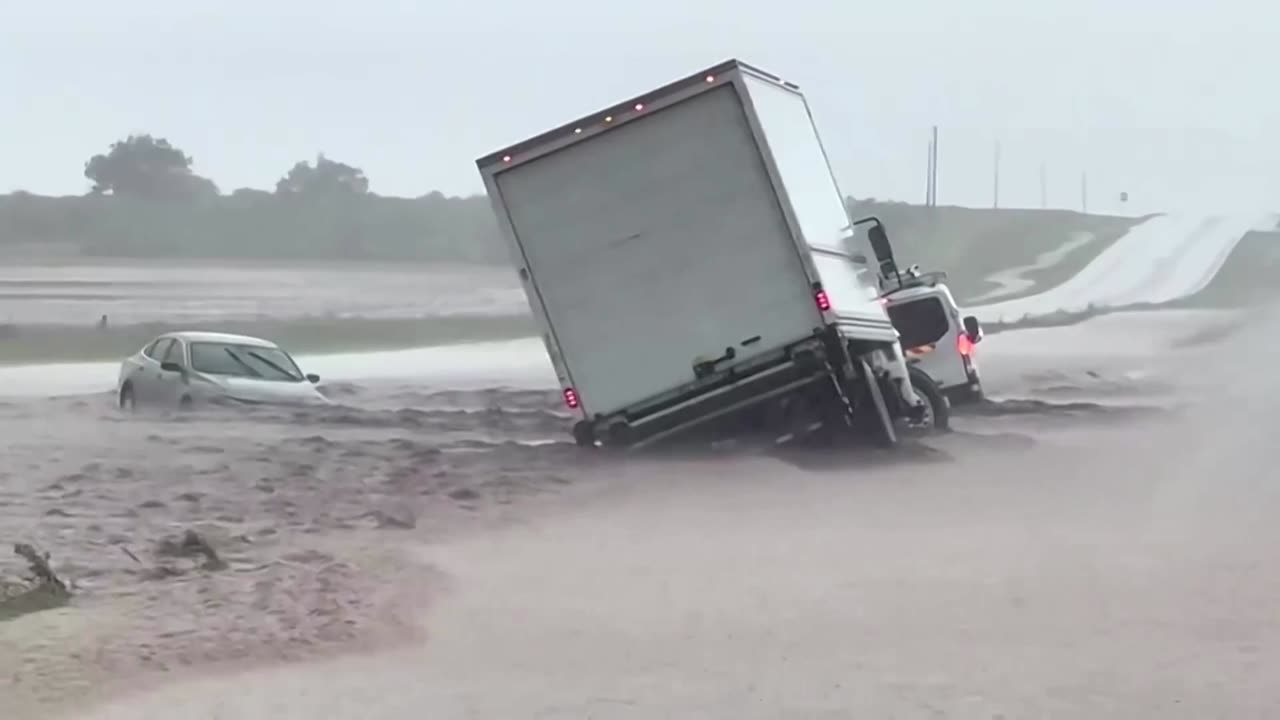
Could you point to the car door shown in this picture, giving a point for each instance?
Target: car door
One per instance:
(147, 376)
(171, 384)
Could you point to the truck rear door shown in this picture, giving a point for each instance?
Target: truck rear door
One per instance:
(656, 243)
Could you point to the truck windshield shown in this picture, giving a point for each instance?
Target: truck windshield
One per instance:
(919, 322)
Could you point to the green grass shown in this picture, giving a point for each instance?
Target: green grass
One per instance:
(1247, 278)
(251, 224)
(55, 343)
(1250, 274)
(971, 244)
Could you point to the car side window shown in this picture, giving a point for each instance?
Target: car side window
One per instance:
(920, 322)
(158, 349)
(174, 353)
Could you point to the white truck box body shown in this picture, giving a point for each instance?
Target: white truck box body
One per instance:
(673, 227)
(816, 201)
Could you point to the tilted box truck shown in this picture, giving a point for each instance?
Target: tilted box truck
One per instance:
(689, 259)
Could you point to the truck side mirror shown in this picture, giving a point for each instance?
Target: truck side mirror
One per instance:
(972, 328)
(880, 244)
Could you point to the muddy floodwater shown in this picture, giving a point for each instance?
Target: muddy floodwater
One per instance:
(1095, 542)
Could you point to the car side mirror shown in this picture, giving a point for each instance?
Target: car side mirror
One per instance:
(313, 378)
(170, 366)
(972, 328)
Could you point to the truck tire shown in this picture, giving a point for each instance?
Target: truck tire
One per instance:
(818, 415)
(873, 412)
(584, 434)
(938, 410)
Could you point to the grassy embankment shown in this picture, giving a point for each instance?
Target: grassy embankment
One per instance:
(251, 227)
(59, 343)
(1247, 278)
(971, 244)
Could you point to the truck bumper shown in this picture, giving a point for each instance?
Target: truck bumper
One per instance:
(711, 409)
(965, 394)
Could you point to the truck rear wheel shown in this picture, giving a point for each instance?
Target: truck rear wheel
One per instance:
(815, 415)
(872, 411)
(584, 434)
(937, 414)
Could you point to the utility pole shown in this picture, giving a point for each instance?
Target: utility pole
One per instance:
(928, 178)
(995, 191)
(1084, 192)
(933, 169)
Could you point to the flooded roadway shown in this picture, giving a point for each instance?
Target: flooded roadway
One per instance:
(1037, 562)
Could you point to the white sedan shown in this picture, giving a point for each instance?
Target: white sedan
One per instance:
(184, 368)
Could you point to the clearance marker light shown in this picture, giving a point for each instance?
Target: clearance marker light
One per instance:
(637, 107)
(824, 302)
(571, 398)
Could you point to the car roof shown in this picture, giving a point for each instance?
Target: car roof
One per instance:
(217, 337)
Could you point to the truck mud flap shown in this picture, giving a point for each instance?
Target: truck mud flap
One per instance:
(874, 413)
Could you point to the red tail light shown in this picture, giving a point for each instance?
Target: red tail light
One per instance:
(824, 302)
(964, 345)
(571, 399)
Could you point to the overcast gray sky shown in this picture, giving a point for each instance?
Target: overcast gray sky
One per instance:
(1173, 102)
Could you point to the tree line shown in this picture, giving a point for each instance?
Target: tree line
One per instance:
(145, 200)
(143, 166)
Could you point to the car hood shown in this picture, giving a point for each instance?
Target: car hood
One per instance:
(268, 391)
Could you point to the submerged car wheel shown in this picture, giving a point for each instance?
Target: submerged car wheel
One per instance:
(127, 401)
(185, 403)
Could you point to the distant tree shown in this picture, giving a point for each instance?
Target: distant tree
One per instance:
(146, 166)
(324, 177)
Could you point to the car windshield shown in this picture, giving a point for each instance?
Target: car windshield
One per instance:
(213, 358)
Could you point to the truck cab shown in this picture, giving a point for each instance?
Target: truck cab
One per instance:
(938, 341)
(935, 337)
